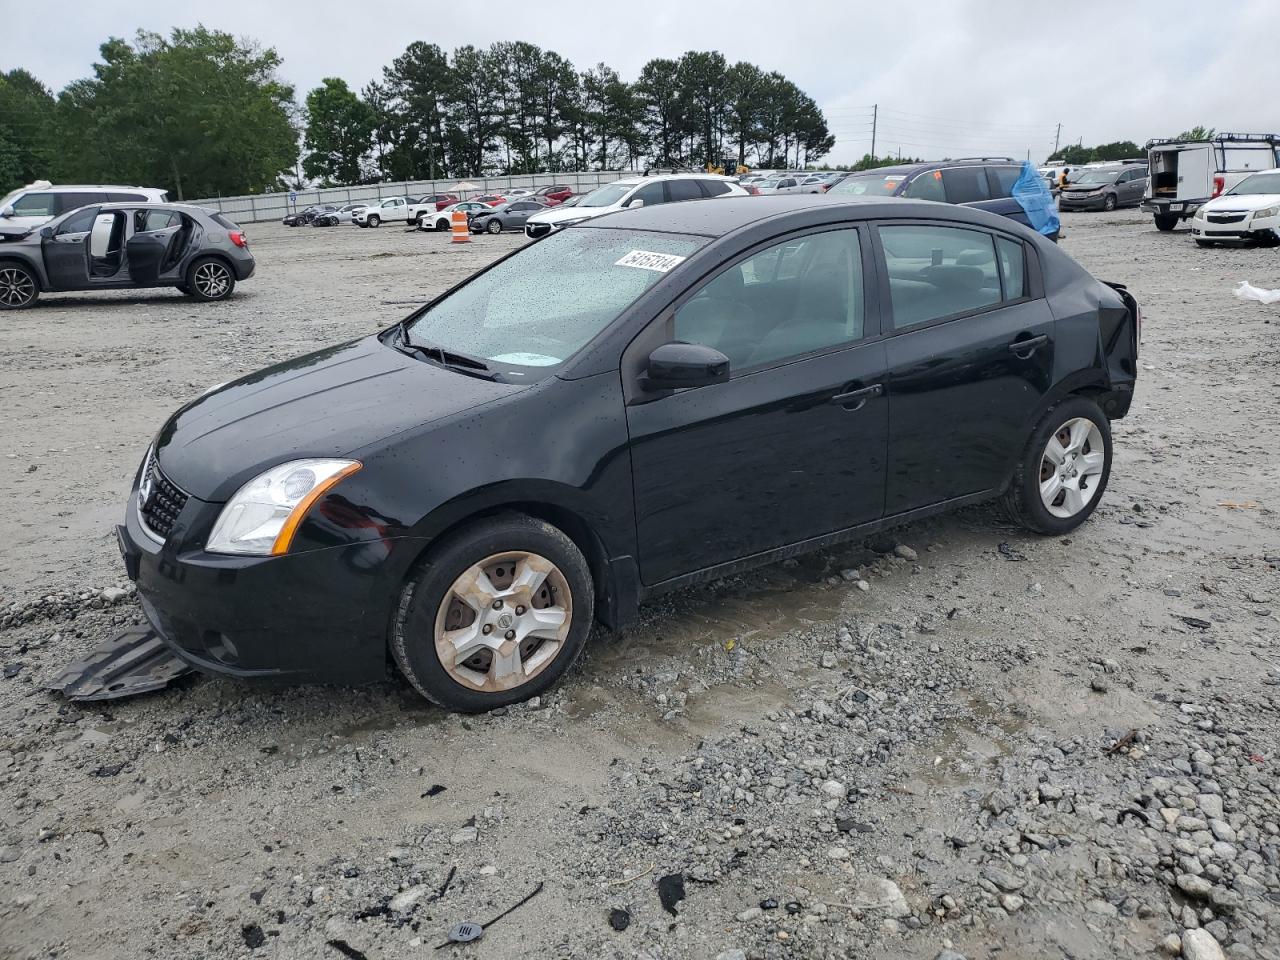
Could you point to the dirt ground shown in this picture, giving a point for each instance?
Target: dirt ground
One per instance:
(957, 741)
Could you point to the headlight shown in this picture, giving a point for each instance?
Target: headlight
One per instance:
(261, 519)
(570, 223)
(1266, 212)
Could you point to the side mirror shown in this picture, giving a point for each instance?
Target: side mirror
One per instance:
(637, 202)
(6, 210)
(46, 232)
(686, 365)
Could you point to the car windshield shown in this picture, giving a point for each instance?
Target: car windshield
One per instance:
(875, 184)
(607, 195)
(538, 307)
(1259, 183)
(1097, 176)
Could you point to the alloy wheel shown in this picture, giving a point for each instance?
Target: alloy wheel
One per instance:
(503, 621)
(212, 280)
(17, 288)
(1071, 467)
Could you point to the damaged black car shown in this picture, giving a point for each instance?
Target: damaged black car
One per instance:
(650, 399)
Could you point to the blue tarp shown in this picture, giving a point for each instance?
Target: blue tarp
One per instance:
(1033, 195)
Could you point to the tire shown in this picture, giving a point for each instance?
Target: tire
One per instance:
(209, 279)
(374, 220)
(1024, 500)
(184, 289)
(442, 225)
(429, 601)
(1166, 221)
(19, 286)
(421, 221)
(1109, 203)
(494, 226)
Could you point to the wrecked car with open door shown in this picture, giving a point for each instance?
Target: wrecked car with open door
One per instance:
(124, 246)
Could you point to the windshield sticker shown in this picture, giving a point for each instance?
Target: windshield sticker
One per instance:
(527, 359)
(644, 260)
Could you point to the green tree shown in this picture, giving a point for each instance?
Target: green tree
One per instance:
(418, 82)
(1196, 133)
(475, 115)
(198, 113)
(701, 79)
(659, 89)
(339, 133)
(27, 136)
(1118, 150)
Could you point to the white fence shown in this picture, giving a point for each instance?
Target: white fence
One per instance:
(272, 206)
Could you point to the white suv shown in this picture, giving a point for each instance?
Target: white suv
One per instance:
(40, 202)
(634, 192)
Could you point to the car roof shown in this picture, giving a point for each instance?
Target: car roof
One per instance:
(75, 187)
(724, 215)
(671, 176)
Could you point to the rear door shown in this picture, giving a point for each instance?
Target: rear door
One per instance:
(66, 253)
(1195, 169)
(969, 352)
(155, 233)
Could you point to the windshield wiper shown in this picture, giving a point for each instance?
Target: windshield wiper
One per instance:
(462, 362)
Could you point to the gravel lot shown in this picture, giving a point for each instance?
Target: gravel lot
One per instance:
(959, 741)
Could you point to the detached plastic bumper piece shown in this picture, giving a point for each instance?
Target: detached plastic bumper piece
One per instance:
(137, 661)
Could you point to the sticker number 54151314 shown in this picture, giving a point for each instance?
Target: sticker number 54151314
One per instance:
(645, 260)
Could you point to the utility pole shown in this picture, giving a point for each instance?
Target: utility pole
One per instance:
(875, 115)
(1056, 137)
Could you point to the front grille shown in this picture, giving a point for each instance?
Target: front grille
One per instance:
(537, 229)
(163, 502)
(1225, 217)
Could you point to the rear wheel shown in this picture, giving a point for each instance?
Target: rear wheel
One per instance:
(1166, 221)
(210, 279)
(497, 614)
(18, 286)
(1064, 469)
(494, 225)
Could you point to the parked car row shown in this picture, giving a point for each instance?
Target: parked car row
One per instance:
(422, 211)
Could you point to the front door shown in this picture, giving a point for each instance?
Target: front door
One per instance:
(66, 252)
(969, 359)
(792, 446)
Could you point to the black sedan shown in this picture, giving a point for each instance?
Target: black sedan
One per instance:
(506, 216)
(653, 398)
(300, 218)
(116, 246)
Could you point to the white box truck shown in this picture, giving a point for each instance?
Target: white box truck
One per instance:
(1187, 173)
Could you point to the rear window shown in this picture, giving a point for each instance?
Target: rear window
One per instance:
(875, 184)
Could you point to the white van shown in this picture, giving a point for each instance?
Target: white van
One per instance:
(40, 202)
(1188, 173)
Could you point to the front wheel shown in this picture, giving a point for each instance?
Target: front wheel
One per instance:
(494, 226)
(18, 286)
(1063, 470)
(497, 614)
(374, 220)
(442, 224)
(1166, 221)
(210, 279)
(1109, 203)
(421, 222)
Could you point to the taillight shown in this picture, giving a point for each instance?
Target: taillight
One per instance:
(1219, 184)
(238, 238)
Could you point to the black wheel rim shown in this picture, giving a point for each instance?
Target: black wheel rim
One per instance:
(17, 288)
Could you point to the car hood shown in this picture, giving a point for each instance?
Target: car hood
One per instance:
(1253, 201)
(560, 214)
(332, 403)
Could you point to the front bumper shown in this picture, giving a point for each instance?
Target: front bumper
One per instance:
(1067, 202)
(320, 615)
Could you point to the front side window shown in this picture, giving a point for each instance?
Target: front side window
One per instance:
(927, 186)
(650, 193)
(938, 271)
(793, 298)
(966, 184)
(79, 222)
(34, 205)
(532, 311)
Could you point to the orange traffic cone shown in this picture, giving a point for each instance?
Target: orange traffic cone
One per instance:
(461, 231)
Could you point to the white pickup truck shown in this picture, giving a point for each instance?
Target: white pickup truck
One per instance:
(391, 209)
(1184, 174)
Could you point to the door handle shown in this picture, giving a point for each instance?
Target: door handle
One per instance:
(1022, 349)
(858, 398)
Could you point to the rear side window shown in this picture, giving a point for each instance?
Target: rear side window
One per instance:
(683, 190)
(966, 184)
(1013, 268)
(937, 271)
(714, 188)
(222, 221)
(70, 201)
(1248, 158)
(927, 186)
(1003, 179)
(127, 198)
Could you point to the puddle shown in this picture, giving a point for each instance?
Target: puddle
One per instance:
(968, 750)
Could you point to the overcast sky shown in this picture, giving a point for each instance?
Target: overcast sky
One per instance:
(951, 77)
